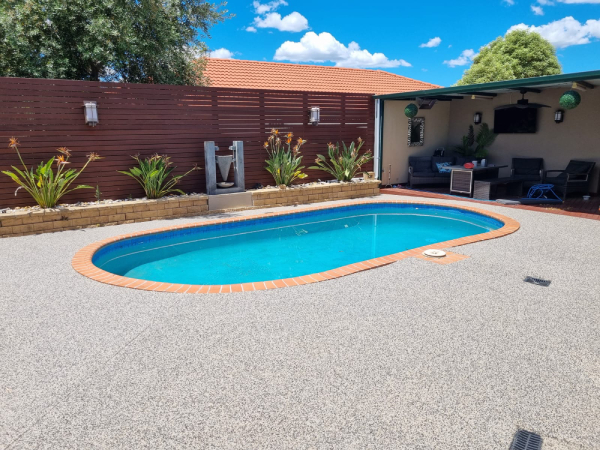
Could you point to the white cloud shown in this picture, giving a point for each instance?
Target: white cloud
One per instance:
(261, 8)
(570, 2)
(465, 58)
(251, 29)
(565, 32)
(324, 47)
(292, 22)
(433, 42)
(537, 10)
(221, 53)
(509, 2)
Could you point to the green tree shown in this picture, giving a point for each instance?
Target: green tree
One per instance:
(136, 41)
(519, 54)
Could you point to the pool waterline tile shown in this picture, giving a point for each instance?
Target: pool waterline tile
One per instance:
(82, 262)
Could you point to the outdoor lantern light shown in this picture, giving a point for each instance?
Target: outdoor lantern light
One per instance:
(559, 116)
(91, 113)
(315, 115)
(477, 118)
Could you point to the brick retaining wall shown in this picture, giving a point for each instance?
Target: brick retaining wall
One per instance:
(19, 223)
(314, 194)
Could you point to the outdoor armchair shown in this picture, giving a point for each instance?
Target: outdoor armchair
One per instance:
(528, 170)
(575, 177)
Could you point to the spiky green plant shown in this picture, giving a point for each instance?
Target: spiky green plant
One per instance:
(44, 185)
(485, 138)
(153, 175)
(343, 164)
(466, 147)
(283, 161)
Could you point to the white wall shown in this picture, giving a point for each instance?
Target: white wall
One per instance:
(395, 149)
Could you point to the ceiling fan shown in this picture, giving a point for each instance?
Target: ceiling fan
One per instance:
(523, 103)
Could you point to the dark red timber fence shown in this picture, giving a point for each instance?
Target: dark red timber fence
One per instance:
(170, 120)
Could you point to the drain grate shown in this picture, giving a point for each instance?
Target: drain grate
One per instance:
(537, 281)
(526, 440)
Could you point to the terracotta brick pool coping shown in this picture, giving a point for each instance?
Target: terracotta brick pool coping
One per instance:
(82, 261)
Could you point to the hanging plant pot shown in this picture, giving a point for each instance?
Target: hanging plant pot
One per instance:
(570, 100)
(411, 110)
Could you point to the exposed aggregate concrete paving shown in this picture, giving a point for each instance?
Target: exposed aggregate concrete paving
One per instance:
(413, 355)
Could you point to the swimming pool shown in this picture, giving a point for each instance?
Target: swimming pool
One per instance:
(288, 245)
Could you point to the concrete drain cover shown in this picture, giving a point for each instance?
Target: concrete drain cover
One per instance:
(526, 440)
(434, 253)
(537, 281)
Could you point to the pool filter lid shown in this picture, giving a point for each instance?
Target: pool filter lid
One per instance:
(434, 253)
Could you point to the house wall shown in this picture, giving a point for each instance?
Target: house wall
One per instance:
(395, 149)
(578, 137)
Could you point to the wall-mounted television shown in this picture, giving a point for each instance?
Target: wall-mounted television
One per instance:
(515, 120)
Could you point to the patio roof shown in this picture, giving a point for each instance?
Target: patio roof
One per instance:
(583, 79)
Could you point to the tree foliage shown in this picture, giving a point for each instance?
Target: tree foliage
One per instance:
(137, 41)
(519, 54)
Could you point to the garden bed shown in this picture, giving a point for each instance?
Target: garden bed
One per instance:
(19, 222)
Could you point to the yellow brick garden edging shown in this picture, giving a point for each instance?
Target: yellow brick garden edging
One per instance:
(314, 193)
(25, 222)
(19, 223)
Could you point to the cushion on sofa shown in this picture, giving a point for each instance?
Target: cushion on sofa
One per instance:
(435, 160)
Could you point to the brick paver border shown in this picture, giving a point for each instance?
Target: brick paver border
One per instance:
(82, 261)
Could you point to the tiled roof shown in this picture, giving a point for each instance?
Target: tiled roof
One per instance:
(300, 77)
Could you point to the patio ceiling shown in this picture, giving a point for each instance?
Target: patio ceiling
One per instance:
(580, 80)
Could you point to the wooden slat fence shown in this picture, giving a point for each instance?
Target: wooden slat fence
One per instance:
(172, 120)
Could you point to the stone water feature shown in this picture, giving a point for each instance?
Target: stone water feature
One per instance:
(223, 162)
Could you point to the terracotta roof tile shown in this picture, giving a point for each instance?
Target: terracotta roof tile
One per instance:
(300, 77)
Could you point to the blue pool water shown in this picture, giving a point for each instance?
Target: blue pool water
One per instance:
(279, 247)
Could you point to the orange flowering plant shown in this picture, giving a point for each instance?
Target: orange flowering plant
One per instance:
(44, 184)
(284, 160)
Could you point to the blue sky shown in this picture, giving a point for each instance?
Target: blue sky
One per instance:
(431, 40)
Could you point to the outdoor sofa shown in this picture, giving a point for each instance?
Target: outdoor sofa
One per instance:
(424, 170)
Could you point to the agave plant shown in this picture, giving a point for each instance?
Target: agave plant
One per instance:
(343, 164)
(153, 175)
(45, 185)
(283, 162)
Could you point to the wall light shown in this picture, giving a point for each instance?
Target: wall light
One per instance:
(559, 116)
(315, 115)
(477, 118)
(91, 113)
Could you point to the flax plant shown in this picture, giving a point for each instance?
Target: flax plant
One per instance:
(153, 175)
(343, 164)
(45, 185)
(284, 160)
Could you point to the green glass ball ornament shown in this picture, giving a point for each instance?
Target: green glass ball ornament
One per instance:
(411, 111)
(570, 100)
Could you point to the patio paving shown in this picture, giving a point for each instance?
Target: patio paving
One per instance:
(413, 355)
(574, 206)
